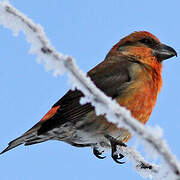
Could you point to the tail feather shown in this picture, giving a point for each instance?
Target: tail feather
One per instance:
(13, 144)
(30, 137)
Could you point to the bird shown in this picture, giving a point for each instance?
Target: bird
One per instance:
(129, 74)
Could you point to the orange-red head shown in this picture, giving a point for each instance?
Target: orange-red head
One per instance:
(144, 47)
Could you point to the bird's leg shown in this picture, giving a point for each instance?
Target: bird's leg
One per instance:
(97, 153)
(114, 143)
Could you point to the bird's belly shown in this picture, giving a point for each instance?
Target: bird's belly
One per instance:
(83, 137)
(91, 130)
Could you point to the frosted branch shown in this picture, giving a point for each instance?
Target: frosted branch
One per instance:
(59, 63)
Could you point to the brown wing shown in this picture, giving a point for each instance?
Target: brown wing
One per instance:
(110, 77)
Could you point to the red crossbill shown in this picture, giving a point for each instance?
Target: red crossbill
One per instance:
(130, 74)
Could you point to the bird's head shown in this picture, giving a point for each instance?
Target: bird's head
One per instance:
(144, 47)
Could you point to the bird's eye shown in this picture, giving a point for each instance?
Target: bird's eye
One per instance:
(146, 41)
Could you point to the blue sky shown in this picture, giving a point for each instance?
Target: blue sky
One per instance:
(85, 30)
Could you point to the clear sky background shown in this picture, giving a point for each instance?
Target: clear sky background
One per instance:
(85, 30)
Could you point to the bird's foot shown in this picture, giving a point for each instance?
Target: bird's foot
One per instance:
(114, 143)
(97, 153)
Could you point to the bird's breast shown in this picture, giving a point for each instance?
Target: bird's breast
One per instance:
(141, 95)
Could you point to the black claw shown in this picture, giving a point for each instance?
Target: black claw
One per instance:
(119, 156)
(98, 154)
(115, 158)
(114, 143)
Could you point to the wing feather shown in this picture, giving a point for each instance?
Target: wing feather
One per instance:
(109, 77)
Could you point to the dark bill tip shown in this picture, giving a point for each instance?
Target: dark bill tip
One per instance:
(164, 52)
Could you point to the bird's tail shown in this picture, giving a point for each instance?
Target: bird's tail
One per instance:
(28, 138)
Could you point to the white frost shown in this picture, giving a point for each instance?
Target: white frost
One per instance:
(59, 63)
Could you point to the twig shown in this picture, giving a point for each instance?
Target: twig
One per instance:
(15, 20)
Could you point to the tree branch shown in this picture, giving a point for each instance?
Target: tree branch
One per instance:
(40, 45)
